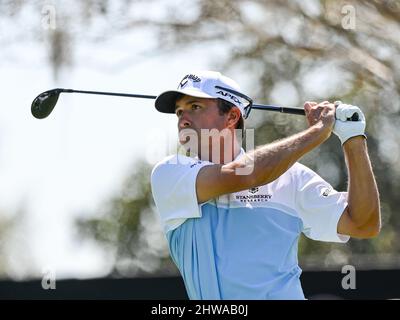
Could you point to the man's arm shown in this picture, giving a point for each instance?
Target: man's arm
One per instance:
(269, 161)
(361, 218)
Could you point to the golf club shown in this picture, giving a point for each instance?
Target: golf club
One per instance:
(45, 102)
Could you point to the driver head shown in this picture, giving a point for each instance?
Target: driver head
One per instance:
(44, 103)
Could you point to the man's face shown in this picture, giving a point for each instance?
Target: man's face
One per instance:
(200, 113)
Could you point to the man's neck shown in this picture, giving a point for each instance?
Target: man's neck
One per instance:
(225, 156)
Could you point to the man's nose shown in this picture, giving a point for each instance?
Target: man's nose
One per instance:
(184, 121)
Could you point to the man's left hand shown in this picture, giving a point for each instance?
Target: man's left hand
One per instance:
(345, 128)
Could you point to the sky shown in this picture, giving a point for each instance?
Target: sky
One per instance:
(68, 164)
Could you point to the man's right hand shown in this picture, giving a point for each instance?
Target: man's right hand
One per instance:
(322, 116)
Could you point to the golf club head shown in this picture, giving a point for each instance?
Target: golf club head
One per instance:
(44, 103)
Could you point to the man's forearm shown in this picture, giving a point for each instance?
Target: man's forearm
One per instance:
(272, 160)
(363, 196)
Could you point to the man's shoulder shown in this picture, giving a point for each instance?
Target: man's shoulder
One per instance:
(169, 159)
(175, 162)
(175, 159)
(297, 171)
(299, 168)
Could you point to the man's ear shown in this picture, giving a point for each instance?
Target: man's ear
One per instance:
(233, 117)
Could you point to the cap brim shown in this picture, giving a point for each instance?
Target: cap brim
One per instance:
(165, 102)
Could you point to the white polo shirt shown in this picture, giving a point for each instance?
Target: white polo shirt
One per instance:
(243, 245)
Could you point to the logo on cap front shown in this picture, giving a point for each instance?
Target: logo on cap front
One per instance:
(230, 96)
(188, 77)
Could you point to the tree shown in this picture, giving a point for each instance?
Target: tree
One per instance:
(5, 228)
(16, 260)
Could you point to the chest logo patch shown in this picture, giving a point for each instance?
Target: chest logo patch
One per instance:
(253, 190)
(254, 196)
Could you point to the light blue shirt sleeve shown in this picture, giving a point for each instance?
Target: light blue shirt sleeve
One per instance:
(173, 183)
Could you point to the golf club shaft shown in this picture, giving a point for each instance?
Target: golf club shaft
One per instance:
(354, 117)
(255, 106)
(297, 111)
(111, 94)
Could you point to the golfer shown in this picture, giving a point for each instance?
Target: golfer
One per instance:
(233, 218)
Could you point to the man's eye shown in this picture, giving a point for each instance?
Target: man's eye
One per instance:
(195, 106)
(178, 112)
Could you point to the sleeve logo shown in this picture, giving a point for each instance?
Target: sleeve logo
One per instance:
(195, 164)
(326, 191)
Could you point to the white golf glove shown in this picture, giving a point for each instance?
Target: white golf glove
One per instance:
(344, 128)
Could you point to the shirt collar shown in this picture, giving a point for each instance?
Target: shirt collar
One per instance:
(242, 152)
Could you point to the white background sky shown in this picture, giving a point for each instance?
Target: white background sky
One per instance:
(75, 159)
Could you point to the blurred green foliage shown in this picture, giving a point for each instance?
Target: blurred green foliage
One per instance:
(6, 226)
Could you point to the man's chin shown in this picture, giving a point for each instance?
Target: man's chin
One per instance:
(188, 149)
